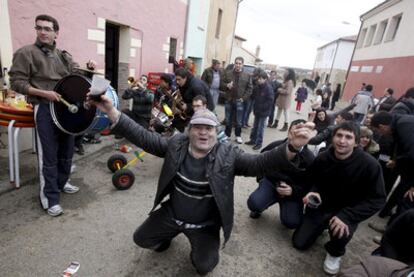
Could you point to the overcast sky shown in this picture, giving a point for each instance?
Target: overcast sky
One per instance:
(290, 31)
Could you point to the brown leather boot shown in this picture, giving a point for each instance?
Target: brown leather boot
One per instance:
(284, 128)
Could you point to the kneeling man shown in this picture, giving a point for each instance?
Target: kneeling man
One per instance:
(348, 183)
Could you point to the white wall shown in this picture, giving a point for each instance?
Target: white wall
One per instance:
(326, 56)
(403, 43)
(344, 55)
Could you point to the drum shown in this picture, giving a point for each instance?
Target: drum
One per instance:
(87, 119)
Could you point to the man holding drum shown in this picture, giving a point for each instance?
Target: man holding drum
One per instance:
(35, 71)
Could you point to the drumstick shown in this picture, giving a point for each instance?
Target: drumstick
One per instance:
(71, 107)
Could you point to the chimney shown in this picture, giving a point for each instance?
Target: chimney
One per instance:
(257, 51)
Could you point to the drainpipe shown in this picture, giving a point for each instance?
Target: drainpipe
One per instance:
(333, 60)
(352, 57)
(186, 28)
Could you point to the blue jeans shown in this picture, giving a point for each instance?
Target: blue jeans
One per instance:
(256, 135)
(233, 108)
(358, 117)
(248, 106)
(272, 112)
(291, 210)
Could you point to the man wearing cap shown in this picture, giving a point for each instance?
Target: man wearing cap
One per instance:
(212, 76)
(198, 176)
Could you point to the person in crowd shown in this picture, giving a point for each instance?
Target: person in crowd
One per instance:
(322, 120)
(286, 188)
(198, 178)
(301, 96)
(275, 86)
(400, 128)
(142, 101)
(386, 102)
(405, 104)
(237, 86)
(165, 88)
(263, 99)
(249, 103)
(335, 96)
(364, 102)
(212, 77)
(200, 103)
(346, 189)
(189, 87)
(284, 99)
(317, 102)
(325, 100)
(368, 143)
(35, 73)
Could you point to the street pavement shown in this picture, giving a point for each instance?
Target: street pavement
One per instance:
(98, 222)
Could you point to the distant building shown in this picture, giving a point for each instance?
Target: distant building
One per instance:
(239, 51)
(220, 31)
(333, 59)
(384, 53)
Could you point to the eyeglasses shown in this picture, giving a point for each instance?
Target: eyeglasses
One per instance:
(41, 28)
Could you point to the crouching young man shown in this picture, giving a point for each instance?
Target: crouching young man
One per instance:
(348, 184)
(198, 176)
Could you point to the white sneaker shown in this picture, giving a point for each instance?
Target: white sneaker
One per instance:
(239, 140)
(68, 188)
(332, 264)
(55, 210)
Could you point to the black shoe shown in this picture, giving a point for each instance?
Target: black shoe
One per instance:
(255, 215)
(274, 125)
(257, 147)
(118, 137)
(284, 128)
(163, 246)
(250, 142)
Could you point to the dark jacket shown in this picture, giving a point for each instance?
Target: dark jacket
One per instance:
(241, 88)
(402, 127)
(142, 101)
(301, 94)
(225, 161)
(207, 75)
(295, 177)
(404, 106)
(263, 100)
(192, 87)
(276, 86)
(352, 188)
(39, 66)
(387, 104)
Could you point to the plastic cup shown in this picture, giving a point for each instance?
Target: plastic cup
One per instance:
(313, 201)
(98, 87)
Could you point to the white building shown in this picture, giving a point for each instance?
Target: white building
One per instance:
(333, 59)
(239, 51)
(384, 54)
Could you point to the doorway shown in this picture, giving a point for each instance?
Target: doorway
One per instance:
(112, 54)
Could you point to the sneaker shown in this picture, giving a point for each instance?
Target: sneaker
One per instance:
(55, 210)
(250, 142)
(255, 215)
(239, 140)
(68, 188)
(377, 239)
(257, 147)
(332, 264)
(377, 226)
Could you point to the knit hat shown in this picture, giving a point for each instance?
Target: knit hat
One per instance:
(204, 117)
(366, 132)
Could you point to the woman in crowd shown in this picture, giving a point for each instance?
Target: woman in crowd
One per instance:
(368, 143)
(301, 96)
(284, 98)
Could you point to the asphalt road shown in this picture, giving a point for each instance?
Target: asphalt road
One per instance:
(97, 226)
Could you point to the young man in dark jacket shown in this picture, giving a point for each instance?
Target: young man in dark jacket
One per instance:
(212, 77)
(237, 85)
(284, 187)
(347, 183)
(198, 176)
(263, 99)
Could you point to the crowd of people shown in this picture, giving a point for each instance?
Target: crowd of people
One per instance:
(361, 150)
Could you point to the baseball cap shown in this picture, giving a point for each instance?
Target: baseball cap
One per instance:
(204, 117)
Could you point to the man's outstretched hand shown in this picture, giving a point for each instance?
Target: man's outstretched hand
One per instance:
(300, 134)
(105, 105)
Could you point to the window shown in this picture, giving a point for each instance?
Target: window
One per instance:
(392, 30)
(218, 26)
(381, 31)
(362, 38)
(173, 49)
(370, 36)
